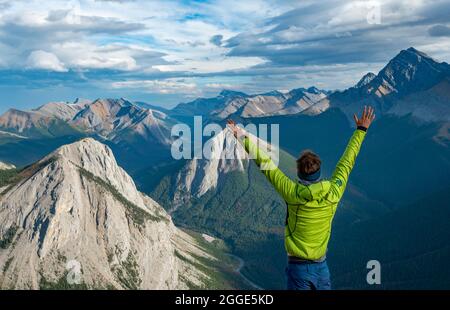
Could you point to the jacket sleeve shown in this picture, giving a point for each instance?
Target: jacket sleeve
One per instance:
(345, 165)
(282, 184)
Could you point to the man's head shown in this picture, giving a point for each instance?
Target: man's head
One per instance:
(308, 166)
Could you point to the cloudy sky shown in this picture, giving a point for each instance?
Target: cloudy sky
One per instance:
(166, 52)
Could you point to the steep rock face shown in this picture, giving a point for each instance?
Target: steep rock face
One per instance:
(200, 175)
(77, 205)
(101, 114)
(412, 71)
(301, 99)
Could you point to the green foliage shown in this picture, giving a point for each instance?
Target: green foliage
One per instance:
(128, 273)
(7, 176)
(61, 258)
(7, 264)
(8, 237)
(60, 284)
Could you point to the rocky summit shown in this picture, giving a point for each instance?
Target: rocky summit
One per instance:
(77, 214)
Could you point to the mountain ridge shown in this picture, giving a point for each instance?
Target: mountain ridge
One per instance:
(233, 103)
(115, 121)
(409, 74)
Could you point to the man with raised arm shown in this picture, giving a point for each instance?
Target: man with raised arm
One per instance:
(311, 205)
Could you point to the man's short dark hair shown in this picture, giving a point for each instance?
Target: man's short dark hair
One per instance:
(308, 162)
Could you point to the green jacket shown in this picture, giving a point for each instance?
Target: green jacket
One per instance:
(310, 208)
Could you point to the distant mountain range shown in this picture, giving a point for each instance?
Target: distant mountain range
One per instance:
(111, 119)
(231, 103)
(404, 161)
(411, 83)
(138, 135)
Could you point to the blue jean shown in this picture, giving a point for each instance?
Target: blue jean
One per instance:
(308, 276)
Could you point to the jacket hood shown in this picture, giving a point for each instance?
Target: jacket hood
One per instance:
(314, 191)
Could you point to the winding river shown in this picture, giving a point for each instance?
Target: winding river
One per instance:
(238, 270)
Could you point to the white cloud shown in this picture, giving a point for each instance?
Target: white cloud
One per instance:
(44, 60)
(264, 44)
(221, 86)
(211, 65)
(168, 86)
(81, 33)
(85, 55)
(331, 32)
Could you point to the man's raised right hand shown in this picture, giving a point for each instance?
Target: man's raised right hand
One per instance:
(366, 119)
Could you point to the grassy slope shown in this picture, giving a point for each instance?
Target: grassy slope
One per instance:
(6, 176)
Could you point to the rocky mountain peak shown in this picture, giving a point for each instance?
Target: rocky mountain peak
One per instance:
(295, 91)
(77, 205)
(306, 91)
(201, 175)
(412, 70)
(366, 79)
(412, 55)
(112, 117)
(107, 106)
(83, 152)
(411, 83)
